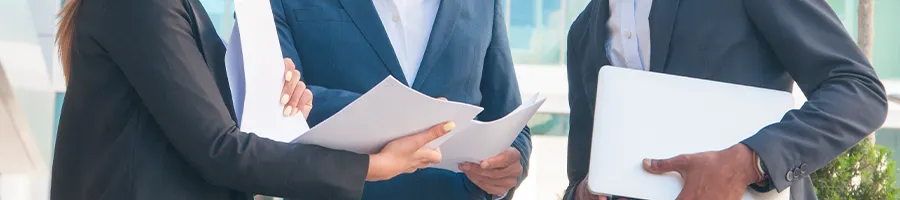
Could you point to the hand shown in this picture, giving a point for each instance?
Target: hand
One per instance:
(294, 96)
(582, 192)
(407, 154)
(721, 174)
(495, 175)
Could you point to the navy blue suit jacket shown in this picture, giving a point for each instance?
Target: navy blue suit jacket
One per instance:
(342, 51)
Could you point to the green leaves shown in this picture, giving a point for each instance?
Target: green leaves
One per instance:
(865, 172)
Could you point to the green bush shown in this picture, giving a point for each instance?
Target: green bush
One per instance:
(865, 172)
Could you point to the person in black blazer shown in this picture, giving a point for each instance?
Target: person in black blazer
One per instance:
(147, 115)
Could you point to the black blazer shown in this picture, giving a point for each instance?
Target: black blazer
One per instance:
(146, 117)
(761, 43)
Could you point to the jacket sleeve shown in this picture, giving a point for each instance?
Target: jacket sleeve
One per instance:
(153, 44)
(581, 116)
(846, 101)
(499, 86)
(327, 102)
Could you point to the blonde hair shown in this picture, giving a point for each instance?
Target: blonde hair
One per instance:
(65, 33)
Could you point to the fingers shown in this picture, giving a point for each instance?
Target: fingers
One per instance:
(293, 96)
(432, 133)
(674, 164)
(494, 173)
(492, 186)
(306, 103)
(297, 94)
(427, 156)
(509, 157)
(288, 76)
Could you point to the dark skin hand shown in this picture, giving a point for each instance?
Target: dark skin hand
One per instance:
(710, 175)
(716, 175)
(495, 175)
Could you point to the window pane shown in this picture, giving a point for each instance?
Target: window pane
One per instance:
(549, 124)
(886, 47)
(536, 31)
(220, 12)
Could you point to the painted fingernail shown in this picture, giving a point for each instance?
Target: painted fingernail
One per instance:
(449, 126)
(485, 165)
(288, 110)
(285, 98)
(288, 76)
(646, 162)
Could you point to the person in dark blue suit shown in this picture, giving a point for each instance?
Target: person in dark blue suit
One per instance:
(456, 49)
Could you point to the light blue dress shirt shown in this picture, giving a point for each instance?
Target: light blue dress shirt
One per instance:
(628, 44)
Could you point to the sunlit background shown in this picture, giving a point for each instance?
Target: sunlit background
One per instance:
(32, 87)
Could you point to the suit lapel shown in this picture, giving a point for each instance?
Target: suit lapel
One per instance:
(441, 32)
(662, 22)
(364, 15)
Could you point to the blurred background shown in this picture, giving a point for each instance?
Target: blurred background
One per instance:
(32, 86)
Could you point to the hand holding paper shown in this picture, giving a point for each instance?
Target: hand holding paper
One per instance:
(407, 154)
(257, 78)
(496, 175)
(295, 97)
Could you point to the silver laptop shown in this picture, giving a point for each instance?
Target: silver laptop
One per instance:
(643, 114)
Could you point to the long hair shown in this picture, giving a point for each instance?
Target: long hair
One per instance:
(65, 33)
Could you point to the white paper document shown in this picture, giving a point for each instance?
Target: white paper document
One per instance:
(256, 74)
(483, 140)
(388, 111)
(641, 114)
(392, 110)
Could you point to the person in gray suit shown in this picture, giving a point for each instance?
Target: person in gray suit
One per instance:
(762, 43)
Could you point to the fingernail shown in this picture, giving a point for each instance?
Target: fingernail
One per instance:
(294, 111)
(646, 162)
(285, 98)
(288, 76)
(449, 126)
(485, 165)
(288, 110)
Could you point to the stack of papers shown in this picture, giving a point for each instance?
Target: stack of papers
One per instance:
(392, 110)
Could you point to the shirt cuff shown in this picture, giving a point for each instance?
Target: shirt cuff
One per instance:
(498, 197)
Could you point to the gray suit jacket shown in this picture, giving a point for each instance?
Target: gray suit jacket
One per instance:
(761, 43)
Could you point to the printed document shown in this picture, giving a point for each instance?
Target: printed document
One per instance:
(256, 74)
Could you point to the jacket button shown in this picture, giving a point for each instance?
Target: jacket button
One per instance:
(789, 176)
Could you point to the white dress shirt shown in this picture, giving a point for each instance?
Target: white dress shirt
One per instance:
(628, 44)
(408, 25)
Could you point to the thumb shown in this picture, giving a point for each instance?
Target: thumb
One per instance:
(436, 131)
(655, 166)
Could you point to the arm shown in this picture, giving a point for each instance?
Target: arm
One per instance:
(152, 43)
(581, 116)
(499, 86)
(327, 101)
(846, 101)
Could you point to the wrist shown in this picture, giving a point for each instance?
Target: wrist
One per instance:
(375, 168)
(582, 192)
(747, 163)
